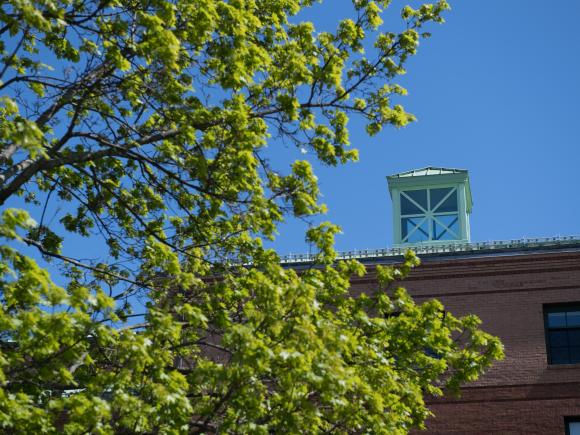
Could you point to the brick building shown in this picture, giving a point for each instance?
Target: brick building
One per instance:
(527, 292)
(516, 288)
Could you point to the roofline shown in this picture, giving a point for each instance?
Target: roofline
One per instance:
(426, 168)
(452, 251)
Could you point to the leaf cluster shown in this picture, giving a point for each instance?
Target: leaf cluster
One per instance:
(145, 127)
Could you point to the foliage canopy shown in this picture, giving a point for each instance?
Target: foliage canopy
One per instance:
(148, 122)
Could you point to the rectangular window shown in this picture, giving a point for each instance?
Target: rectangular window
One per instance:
(572, 425)
(429, 214)
(562, 323)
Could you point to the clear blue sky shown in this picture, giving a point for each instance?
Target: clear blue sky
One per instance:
(496, 91)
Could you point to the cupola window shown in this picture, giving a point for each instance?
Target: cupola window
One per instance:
(429, 214)
(430, 206)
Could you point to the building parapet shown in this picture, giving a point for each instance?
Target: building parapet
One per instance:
(498, 246)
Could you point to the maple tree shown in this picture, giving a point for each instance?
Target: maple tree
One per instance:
(149, 121)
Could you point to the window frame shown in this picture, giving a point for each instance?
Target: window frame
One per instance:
(559, 308)
(570, 419)
(431, 215)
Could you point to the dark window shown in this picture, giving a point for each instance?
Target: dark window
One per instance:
(443, 200)
(414, 202)
(572, 425)
(562, 324)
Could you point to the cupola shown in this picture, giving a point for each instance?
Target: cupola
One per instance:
(431, 206)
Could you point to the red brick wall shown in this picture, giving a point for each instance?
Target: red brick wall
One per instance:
(520, 394)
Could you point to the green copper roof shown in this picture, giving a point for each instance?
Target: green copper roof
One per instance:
(429, 170)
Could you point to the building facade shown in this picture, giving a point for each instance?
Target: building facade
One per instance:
(518, 293)
(527, 292)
